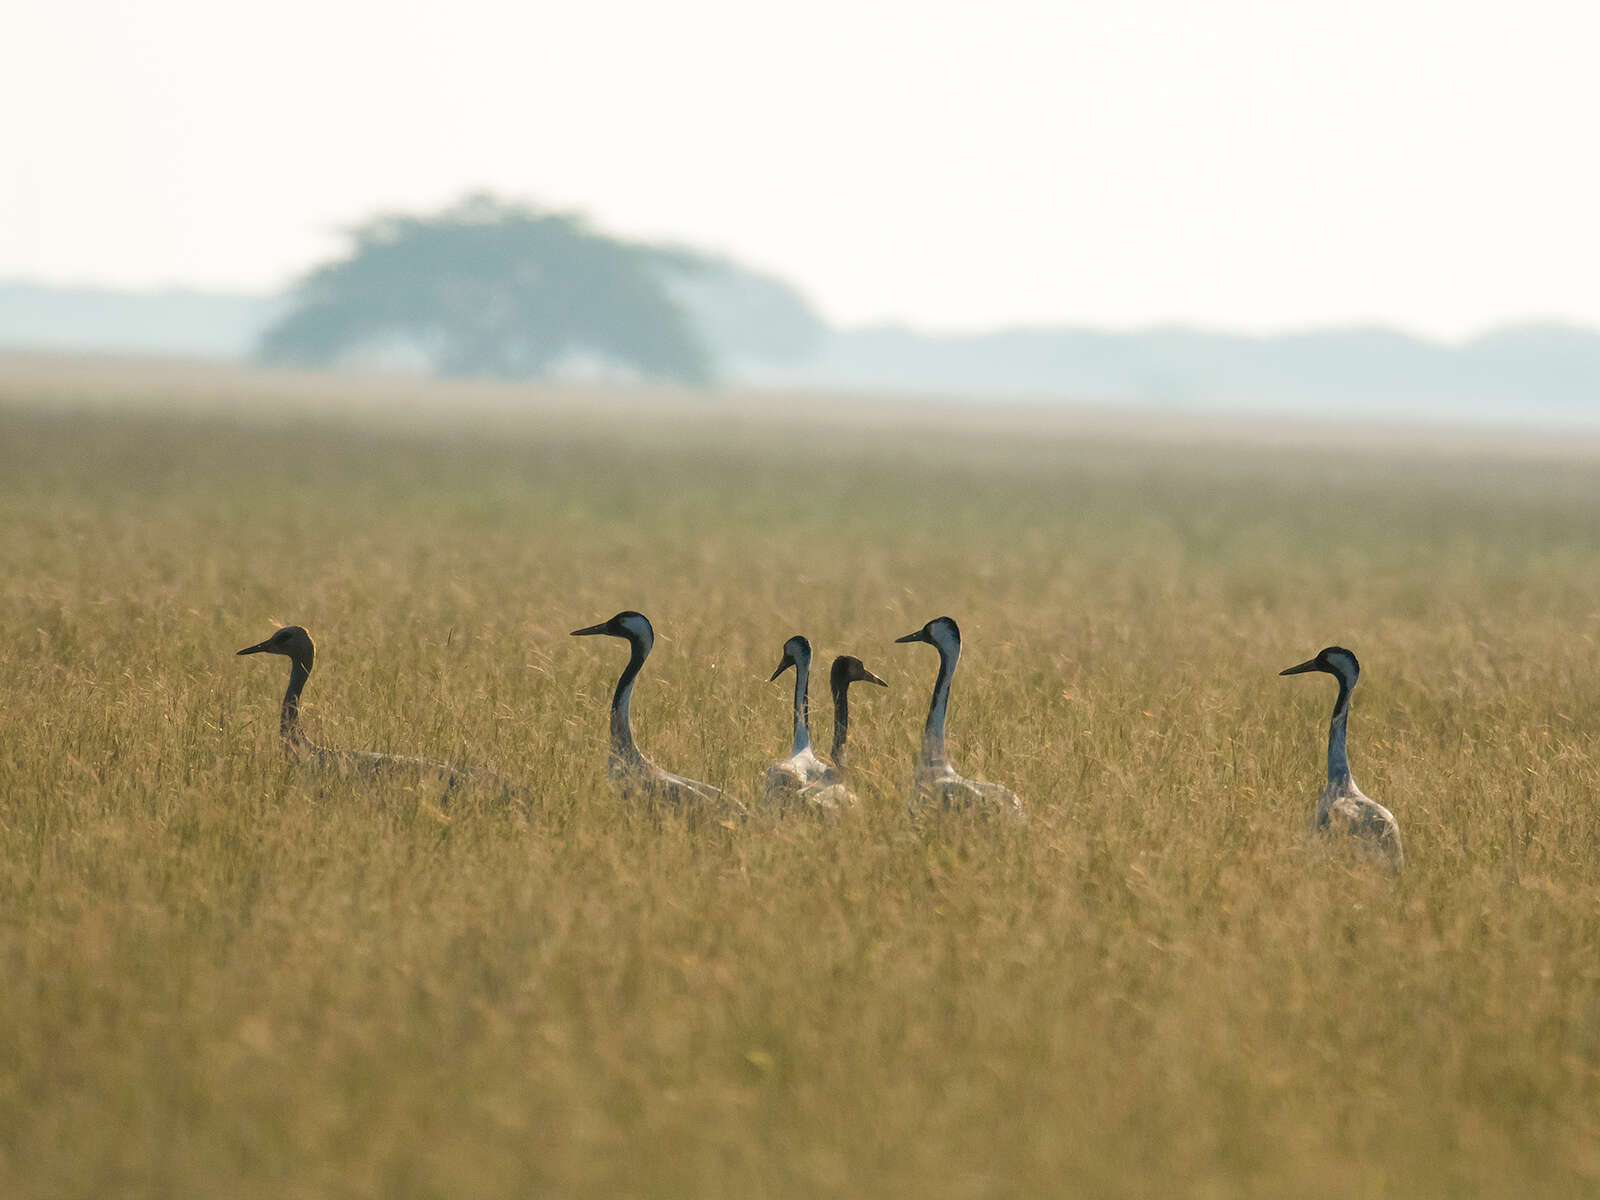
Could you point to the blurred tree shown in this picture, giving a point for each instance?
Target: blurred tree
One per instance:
(492, 289)
(745, 316)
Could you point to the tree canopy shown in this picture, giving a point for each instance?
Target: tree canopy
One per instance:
(486, 288)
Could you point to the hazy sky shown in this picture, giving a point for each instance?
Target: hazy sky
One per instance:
(1253, 165)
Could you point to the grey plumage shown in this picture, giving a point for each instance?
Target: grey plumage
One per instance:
(787, 778)
(936, 781)
(1342, 808)
(830, 793)
(295, 644)
(634, 775)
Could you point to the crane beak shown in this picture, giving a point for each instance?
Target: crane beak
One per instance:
(1310, 664)
(918, 636)
(787, 662)
(592, 629)
(868, 677)
(258, 648)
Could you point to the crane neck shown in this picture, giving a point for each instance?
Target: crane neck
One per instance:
(1338, 760)
(802, 703)
(841, 720)
(933, 752)
(289, 717)
(622, 744)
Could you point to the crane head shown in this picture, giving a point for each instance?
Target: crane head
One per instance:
(848, 669)
(941, 632)
(1333, 660)
(633, 626)
(795, 651)
(292, 642)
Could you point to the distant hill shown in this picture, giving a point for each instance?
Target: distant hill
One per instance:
(177, 322)
(744, 317)
(764, 336)
(1548, 370)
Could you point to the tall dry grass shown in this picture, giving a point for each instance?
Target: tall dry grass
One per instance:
(220, 975)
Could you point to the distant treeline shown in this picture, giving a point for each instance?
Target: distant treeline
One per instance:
(1540, 368)
(1547, 370)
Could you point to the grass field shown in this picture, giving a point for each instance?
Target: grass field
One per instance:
(224, 976)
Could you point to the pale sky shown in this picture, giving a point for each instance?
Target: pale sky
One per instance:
(1256, 166)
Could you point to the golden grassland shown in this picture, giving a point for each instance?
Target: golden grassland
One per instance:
(223, 975)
